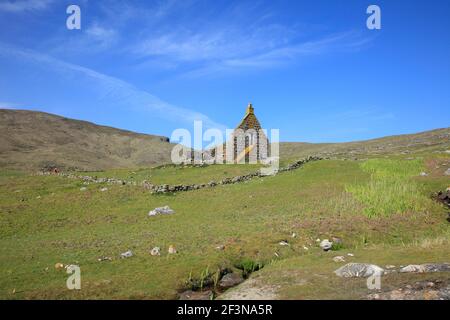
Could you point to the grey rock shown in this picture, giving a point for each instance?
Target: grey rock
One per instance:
(127, 254)
(161, 210)
(358, 270)
(339, 259)
(155, 251)
(423, 290)
(230, 280)
(425, 268)
(326, 244)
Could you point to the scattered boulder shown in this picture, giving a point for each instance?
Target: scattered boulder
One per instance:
(230, 280)
(358, 270)
(160, 210)
(447, 172)
(59, 266)
(172, 249)
(196, 295)
(283, 243)
(326, 244)
(156, 251)
(339, 259)
(83, 189)
(104, 189)
(423, 174)
(220, 247)
(127, 254)
(104, 259)
(425, 268)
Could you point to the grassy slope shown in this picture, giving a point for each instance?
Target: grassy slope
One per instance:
(69, 226)
(30, 140)
(428, 142)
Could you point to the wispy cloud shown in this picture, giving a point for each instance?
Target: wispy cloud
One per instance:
(103, 35)
(8, 105)
(24, 5)
(282, 55)
(212, 45)
(115, 89)
(223, 45)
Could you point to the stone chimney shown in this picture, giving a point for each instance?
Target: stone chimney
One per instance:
(250, 109)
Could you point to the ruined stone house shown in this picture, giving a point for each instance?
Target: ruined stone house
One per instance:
(249, 143)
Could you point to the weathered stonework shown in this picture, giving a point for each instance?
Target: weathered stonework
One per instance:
(165, 188)
(248, 140)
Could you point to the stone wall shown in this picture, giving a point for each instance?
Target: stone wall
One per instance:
(165, 188)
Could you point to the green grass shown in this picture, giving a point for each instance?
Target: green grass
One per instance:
(391, 189)
(47, 219)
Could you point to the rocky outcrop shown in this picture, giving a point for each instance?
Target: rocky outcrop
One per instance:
(425, 268)
(423, 290)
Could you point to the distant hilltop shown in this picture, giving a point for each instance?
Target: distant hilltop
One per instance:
(31, 140)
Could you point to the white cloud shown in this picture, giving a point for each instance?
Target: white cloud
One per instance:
(104, 37)
(117, 90)
(222, 43)
(24, 5)
(283, 54)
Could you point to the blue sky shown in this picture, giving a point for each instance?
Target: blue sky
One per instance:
(311, 68)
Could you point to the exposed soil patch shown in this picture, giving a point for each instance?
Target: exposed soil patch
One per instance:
(251, 289)
(422, 290)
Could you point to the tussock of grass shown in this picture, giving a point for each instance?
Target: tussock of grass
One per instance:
(248, 266)
(390, 189)
(382, 168)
